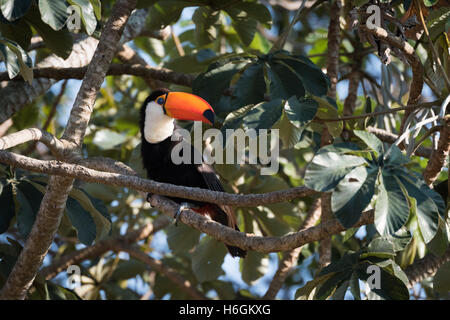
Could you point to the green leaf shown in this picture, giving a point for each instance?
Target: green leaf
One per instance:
(250, 11)
(391, 287)
(314, 80)
(400, 239)
(207, 259)
(359, 3)
(29, 199)
(305, 292)
(430, 3)
(17, 59)
(264, 115)
(107, 139)
(181, 238)
(14, 9)
(380, 248)
(97, 5)
(54, 13)
(246, 30)
(289, 134)
(329, 286)
(205, 20)
(394, 156)
(439, 244)
(192, 63)
(87, 14)
(327, 169)
(441, 280)
(245, 17)
(57, 292)
(8, 208)
(82, 221)
(127, 269)
(437, 20)
(425, 208)
(328, 111)
(284, 82)
(18, 32)
(59, 42)
(391, 208)
(254, 266)
(97, 211)
(212, 84)
(370, 140)
(250, 88)
(164, 13)
(354, 286)
(353, 194)
(300, 112)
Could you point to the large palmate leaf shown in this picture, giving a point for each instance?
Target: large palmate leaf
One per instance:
(392, 209)
(164, 13)
(355, 180)
(212, 84)
(53, 13)
(329, 167)
(205, 20)
(425, 208)
(346, 272)
(353, 194)
(254, 266)
(19, 32)
(245, 79)
(207, 259)
(245, 16)
(82, 221)
(87, 14)
(16, 59)
(300, 111)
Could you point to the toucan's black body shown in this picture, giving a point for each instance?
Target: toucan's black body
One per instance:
(158, 163)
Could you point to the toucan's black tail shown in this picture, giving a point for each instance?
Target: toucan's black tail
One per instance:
(236, 251)
(219, 215)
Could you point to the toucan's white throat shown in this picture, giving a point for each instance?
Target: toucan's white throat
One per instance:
(157, 126)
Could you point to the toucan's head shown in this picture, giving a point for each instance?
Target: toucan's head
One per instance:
(163, 106)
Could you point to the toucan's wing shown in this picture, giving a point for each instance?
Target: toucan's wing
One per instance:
(213, 183)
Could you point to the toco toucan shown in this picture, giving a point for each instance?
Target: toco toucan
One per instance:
(157, 126)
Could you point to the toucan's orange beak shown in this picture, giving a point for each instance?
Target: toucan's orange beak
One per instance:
(187, 106)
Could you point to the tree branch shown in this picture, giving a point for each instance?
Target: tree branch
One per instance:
(54, 201)
(389, 137)
(32, 134)
(75, 171)
(145, 71)
(439, 156)
(425, 267)
(248, 241)
(416, 86)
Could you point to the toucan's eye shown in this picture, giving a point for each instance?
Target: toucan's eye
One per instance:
(160, 101)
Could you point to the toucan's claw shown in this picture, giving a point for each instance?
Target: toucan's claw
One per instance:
(183, 206)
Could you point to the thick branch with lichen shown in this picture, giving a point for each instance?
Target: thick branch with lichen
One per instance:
(54, 201)
(75, 171)
(140, 70)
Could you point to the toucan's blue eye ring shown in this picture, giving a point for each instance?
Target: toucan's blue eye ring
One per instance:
(160, 101)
